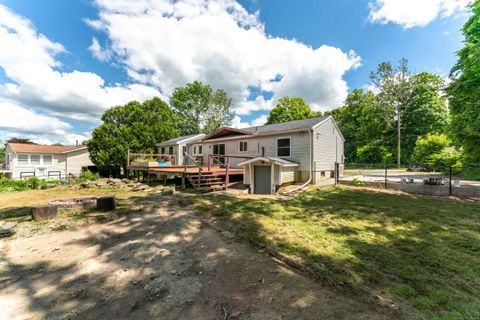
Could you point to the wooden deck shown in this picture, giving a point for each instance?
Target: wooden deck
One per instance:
(216, 170)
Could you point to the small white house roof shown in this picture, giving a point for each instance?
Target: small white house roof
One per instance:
(182, 139)
(278, 161)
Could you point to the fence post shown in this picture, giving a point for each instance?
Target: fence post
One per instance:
(336, 172)
(386, 175)
(450, 181)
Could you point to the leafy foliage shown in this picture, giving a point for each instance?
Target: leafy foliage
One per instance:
(20, 140)
(136, 126)
(289, 109)
(371, 153)
(199, 109)
(34, 183)
(88, 175)
(464, 90)
(433, 150)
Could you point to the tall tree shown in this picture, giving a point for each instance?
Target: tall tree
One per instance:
(464, 90)
(200, 109)
(394, 86)
(288, 109)
(425, 111)
(20, 140)
(360, 122)
(136, 126)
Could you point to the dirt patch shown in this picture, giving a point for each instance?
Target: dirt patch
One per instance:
(160, 262)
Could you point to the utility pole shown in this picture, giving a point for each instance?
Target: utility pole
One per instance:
(398, 139)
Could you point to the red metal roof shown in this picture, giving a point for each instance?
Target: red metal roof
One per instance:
(39, 148)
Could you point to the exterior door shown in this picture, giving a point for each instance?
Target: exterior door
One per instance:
(262, 179)
(219, 149)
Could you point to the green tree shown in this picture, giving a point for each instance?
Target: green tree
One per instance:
(360, 123)
(199, 109)
(424, 112)
(136, 126)
(434, 150)
(20, 140)
(394, 86)
(288, 109)
(372, 153)
(464, 90)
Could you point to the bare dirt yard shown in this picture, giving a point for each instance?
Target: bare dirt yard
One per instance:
(161, 261)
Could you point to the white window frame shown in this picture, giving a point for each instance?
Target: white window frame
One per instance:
(23, 164)
(39, 160)
(245, 143)
(51, 159)
(289, 147)
(196, 150)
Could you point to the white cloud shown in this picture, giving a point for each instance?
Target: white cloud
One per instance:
(98, 52)
(168, 44)
(17, 121)
(31, 64)
(413, 13)
(237, 123)
(260, 121)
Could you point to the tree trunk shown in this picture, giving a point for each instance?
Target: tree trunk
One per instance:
(398, 139)
(105, 204)
(44, 213)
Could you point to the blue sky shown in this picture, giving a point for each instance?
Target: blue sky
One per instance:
(258, 50)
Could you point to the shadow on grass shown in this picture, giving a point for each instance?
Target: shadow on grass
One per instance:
(424, 252)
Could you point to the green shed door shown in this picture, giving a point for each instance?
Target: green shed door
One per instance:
(262, 179)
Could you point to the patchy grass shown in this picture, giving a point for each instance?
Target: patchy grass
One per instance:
(15, 206)
(421, 252)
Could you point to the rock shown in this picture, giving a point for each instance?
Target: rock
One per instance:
(140, 187)
(6, 229)
(168, 191)
(125, 181)
(228, 234)
(85, 184)
(173, 272)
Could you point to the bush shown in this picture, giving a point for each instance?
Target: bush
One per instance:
(429, 148)
(33, 183)
(12, 185)
(371, 153)
(88, 175)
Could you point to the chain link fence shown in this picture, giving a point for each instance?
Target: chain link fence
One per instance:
(417, 178)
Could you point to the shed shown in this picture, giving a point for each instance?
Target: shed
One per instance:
(265, 174)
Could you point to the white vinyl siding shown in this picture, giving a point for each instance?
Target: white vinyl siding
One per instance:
(328, 146)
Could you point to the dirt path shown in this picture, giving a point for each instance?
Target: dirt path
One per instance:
(159, 263)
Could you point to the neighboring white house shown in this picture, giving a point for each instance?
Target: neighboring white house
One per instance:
(295, 151)
(26, 160)
(177, 146)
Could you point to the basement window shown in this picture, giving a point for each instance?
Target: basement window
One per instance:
(283, 147)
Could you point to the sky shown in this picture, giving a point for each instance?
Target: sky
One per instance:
(63, 63)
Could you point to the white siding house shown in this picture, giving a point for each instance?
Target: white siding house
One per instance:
(26, 160)
(295, 151)
(177, 147)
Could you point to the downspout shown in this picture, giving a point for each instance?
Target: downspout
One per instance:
(311, 167)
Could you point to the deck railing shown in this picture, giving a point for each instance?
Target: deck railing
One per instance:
(171, 157)
(227, 162)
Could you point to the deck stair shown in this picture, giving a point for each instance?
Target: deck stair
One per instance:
(206, 181)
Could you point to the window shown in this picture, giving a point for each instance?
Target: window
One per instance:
(243, 146)
(162, 150)
(47, 159)
(184, 150)
(219, 148)
(23, 159)
(197, 150)
(35, 159)
(283, 147)
(170, 150)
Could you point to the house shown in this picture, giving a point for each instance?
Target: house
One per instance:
(178, 146)
(295, 151)
(43, 161)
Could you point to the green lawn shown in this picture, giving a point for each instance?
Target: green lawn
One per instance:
(423, 253)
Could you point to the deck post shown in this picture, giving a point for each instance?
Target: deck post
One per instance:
(183, 180)
(227, 179)
(209, 162)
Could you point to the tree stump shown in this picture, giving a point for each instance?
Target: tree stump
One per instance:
(43, 213)
(105, 204)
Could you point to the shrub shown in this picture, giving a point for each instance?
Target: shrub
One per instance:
(371, 153)
(12, 185)
(429, 147)
(88, 175)
(33, 183)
